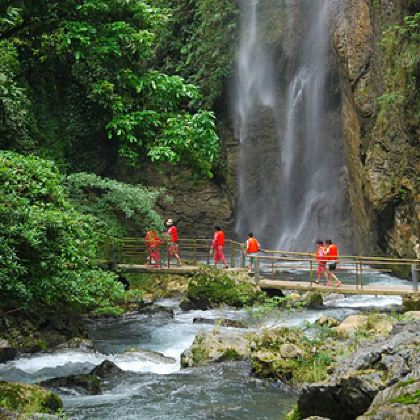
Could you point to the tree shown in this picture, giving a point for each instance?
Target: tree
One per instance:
(106, 50)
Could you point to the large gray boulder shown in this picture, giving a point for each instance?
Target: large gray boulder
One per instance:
(377, 364)
(213, 346)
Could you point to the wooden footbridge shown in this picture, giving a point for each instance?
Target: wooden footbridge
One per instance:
(272, 269)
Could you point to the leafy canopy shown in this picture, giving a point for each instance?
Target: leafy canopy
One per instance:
(119, 209)
(107, 50)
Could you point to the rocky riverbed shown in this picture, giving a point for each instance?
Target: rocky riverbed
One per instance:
(160, 361)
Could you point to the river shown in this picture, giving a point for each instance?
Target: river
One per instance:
(157, 388)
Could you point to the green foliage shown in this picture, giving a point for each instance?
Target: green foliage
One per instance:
(46, 246)
(14, 104)
(199, 43)
(215, 287)
(110, 45)
(119, 208)
(96, 60)
(409, 399)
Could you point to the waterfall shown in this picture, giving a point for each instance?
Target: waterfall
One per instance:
(291, 172)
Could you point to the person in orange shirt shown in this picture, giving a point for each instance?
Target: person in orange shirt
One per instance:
(217, 246)
(172, 235)
(321, 260)
(251, 250)
(153, 242)
(331, 252)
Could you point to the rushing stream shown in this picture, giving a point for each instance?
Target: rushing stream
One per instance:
(156, 387)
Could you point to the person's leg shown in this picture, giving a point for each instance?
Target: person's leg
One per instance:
(223, 257)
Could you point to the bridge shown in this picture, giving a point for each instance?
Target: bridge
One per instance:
(272, 269)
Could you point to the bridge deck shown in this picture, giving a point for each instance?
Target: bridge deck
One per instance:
(277, 284)
(349, 289)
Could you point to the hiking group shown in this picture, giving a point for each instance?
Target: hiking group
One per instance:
(153, 243)
(326, 253)
(327, 259)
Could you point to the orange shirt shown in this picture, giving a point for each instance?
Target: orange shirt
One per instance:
(320, 254)
(252, 245)
(219, 238)
(332, 252)
(173, 234)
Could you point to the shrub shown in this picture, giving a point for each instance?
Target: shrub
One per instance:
(47, 247)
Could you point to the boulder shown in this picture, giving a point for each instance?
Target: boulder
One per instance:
(290, 351)
(28, 399)
(106, 369)
(79, 343)
(87, 384)
(7, 352)
(223, 322)
(150, 355)
(194, 305)
(411, 303)
(352, 324)
(325, 321)
(377, 364)
(400, 401)
(411, 315)
(213, 346)
(381, 323)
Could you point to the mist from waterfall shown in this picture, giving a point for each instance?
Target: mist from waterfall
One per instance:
(290, 188)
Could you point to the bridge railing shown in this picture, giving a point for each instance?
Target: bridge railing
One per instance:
(354, 269)
(268, 263)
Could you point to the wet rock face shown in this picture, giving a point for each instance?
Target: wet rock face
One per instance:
(376, 365)
(380, 153)
(399, 401)
(87, 384)
(106, 369)
(6, 351)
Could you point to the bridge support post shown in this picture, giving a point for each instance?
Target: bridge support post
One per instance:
(414, 277)
(232, 254)
(257, 269)
(113, 257)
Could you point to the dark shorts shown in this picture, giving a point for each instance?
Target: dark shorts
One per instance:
(332, 266)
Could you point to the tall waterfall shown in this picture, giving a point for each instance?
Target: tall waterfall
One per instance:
(291, 172)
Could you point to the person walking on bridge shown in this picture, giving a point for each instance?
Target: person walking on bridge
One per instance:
(251, 250)
(321, 261)
(331, 252)
(172, 235)
(217, 246)
(152, 242)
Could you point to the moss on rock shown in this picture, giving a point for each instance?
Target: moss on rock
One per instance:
(28, 399)
(211, 287)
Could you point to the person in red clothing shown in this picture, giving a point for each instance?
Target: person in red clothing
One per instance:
(153, 242)
(217, 246)
(172, 234)
(321, 260)
(331, 252)
(252, 248)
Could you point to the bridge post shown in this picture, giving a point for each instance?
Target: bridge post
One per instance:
(195, 251)
(414, 277)
(113, 256)
(242, 252)
(257, 269)
(232, 254)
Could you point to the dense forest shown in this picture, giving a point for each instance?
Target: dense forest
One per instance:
(82, 84)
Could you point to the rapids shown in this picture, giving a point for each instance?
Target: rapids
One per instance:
(156, 387)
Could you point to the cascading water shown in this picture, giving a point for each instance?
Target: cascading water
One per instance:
(291, 172)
